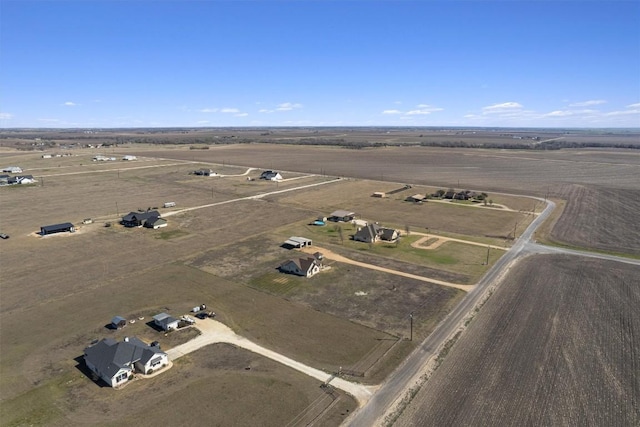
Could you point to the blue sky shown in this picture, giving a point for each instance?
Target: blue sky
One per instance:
(319, 63)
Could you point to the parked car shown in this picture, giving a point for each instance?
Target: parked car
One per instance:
(4, 236)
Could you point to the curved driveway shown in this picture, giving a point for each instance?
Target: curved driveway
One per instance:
(213, 332)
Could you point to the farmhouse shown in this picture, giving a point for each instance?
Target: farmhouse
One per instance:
(165, 322)
(271, 176)
(342, 216)
(21, 179)
(115, 362)
(205, 172)
(138, 219)
(298, 242)
(57, 228)
(374, 232)
(306, 267)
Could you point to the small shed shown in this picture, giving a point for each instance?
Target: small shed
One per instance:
(57, 228)
(165, 322)
(379, 194)
(118, 322)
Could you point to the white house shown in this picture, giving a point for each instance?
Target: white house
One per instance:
(271, 176)
(306, 267)
(116, 362)
(129, 158)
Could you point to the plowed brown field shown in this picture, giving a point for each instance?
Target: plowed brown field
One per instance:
(558, 344)
(605, 219)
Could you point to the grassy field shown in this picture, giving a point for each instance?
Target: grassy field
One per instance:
(555, 345)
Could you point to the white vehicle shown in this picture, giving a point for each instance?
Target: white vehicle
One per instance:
(169, 204)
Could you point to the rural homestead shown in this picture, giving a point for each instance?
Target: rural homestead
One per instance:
(118, 362)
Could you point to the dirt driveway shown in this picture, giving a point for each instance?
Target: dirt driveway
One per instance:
(215, 332)
(334, 256)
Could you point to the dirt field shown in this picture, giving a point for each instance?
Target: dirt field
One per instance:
(557, 344)
(58, 292)
(516, 171)
(604, 219)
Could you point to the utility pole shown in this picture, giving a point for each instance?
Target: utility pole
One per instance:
(411, 326)
(514, 230)
(488, 247)
(117, 211)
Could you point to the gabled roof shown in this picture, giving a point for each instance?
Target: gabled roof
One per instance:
(304, 264)
(164, 319)
(140, 216)
(155, 220)
(368, 233)
(109, 356)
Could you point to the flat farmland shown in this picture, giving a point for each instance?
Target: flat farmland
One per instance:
(524, 172)
(604, 219)
(469, 220)
(556, 344)
(378, 301)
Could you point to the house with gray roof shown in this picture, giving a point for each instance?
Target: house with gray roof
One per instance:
(116, 362)
(374, 232)
(306, 267)
(138, 219)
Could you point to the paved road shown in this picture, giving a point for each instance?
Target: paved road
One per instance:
(411, 369)
(409, 372)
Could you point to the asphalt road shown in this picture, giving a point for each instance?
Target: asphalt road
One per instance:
(397, 384)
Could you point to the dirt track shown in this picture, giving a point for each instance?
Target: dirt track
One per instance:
(334, 256)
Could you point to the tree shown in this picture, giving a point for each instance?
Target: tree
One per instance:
(491, 202)
(341, 234)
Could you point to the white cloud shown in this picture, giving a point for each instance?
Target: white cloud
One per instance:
(229, 110)
(588, 103)
(70, 104)
(559, 113)
(242, 114)
(501, 108)
(209, 110)
(423, 109)
(637, 105)
(623, 113)
(6, 116)
(287, 106)
(264, 110)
